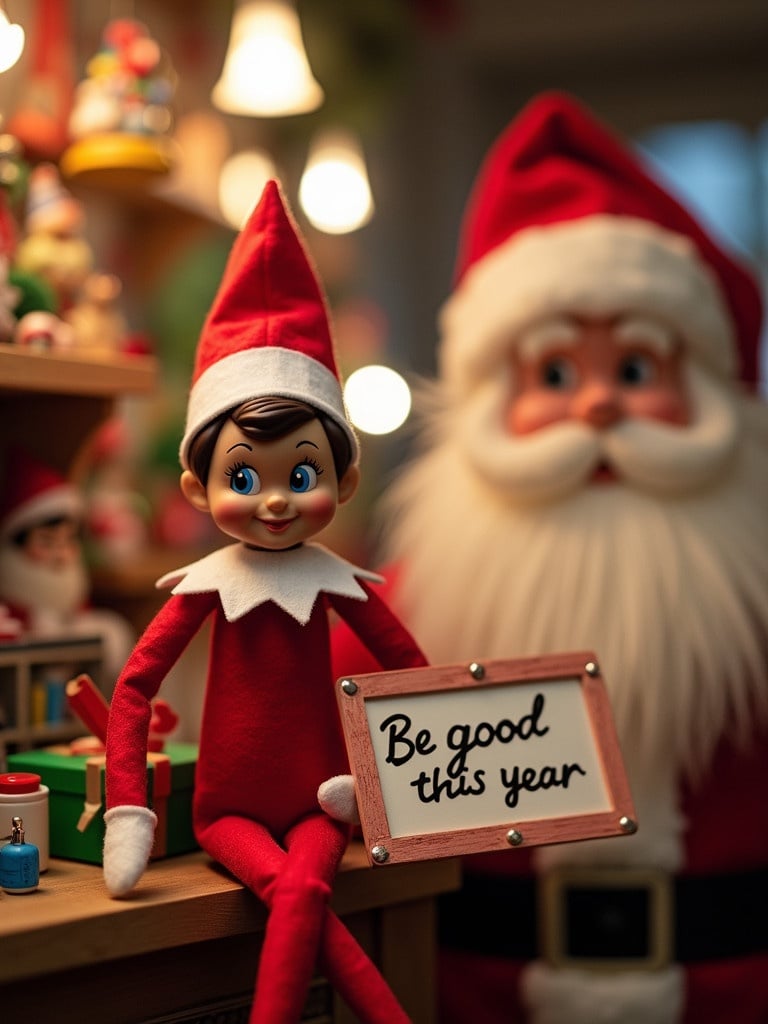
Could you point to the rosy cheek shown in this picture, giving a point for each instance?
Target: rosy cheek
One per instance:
(38, 554)
(668, 405)
(228, 509)
(533, 410)
(319, 504)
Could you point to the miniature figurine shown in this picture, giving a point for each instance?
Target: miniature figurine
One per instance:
(121, 115)
(43, 577)
(54, 247)
(268, 453)
(608, 479)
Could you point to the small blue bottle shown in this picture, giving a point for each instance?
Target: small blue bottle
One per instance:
(19, 862)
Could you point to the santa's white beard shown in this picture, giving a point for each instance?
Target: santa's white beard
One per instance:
(670, 590)
(48, 595)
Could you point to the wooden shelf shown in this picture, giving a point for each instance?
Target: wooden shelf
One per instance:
(52, 402)
(191, 933)
(70, 373)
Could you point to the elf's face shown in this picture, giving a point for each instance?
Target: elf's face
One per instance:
(598, 371)
(271, 494)
(55, 545)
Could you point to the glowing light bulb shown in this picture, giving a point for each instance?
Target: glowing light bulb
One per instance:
(11, 42)
(378, 399)
(334, 191)
(241, 182)
(266, 72)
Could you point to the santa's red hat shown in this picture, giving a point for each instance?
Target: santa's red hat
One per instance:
(34, 493)
(563, 218)
(267, 332)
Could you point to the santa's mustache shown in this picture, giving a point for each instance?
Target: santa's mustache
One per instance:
(647, 454)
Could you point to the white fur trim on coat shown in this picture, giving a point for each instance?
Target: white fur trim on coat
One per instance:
(598, 266)
(580, 997)
(257, 373)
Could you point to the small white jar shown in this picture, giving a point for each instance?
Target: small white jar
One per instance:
(23, 795)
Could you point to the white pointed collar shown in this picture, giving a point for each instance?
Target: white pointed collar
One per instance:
(245, 578)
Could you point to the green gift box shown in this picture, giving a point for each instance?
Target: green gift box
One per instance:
(76, 801)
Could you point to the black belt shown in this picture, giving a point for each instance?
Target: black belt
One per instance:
(608, 918)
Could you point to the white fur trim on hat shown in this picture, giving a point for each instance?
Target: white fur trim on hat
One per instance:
(600, 266)
(260, 372)
(56, 501)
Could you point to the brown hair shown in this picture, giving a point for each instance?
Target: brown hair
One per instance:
(266, 419)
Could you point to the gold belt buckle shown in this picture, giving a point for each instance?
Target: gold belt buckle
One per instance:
(554, 891)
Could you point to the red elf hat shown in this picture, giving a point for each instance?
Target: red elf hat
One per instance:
(267, 332)
(564, 219)
(34, 493)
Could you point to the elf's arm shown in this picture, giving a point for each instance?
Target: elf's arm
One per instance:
(387, 639)
(380, 630)
(130, 825)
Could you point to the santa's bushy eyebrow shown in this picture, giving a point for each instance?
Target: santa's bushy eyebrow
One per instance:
(546, 335)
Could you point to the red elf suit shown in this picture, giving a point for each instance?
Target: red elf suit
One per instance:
(270, 733)
(670, 588)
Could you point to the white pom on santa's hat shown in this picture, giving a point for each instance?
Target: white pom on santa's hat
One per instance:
(34, 493)
(267, 332)
(563, 219)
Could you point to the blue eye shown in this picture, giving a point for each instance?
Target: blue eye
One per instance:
(303, 477)
(244, 480)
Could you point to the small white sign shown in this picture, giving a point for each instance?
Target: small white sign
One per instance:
(459, 759)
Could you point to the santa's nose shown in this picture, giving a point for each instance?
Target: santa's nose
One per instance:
(599, 404)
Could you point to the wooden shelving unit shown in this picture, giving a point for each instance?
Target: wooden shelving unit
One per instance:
(51, 402)
(25, 665)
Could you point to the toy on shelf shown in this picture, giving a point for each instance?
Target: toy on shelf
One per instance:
(269, 454)
(121, 117)
(43, 578)
(73, 774)
(96, 319)
(53, 246)
(9, 298)
(60, 300)
(89, 704)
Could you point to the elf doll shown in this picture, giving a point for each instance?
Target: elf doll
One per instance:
(269, 454)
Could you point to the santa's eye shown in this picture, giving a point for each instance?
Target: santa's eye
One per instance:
(244, 480)
(304, 477)
(558, 373)
(636, 370)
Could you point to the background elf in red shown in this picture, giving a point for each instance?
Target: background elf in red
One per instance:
(269, 454)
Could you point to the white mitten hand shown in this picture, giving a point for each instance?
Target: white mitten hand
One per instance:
(127, 846)
(337, 798)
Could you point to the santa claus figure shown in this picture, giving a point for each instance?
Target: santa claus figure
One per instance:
(269, 454)
(595, 476)
(43, 578)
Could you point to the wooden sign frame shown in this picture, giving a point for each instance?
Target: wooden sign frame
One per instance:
(565, 685)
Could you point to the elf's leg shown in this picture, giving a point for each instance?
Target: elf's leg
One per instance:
(296, 912)
(313, 857)
(247, 850)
